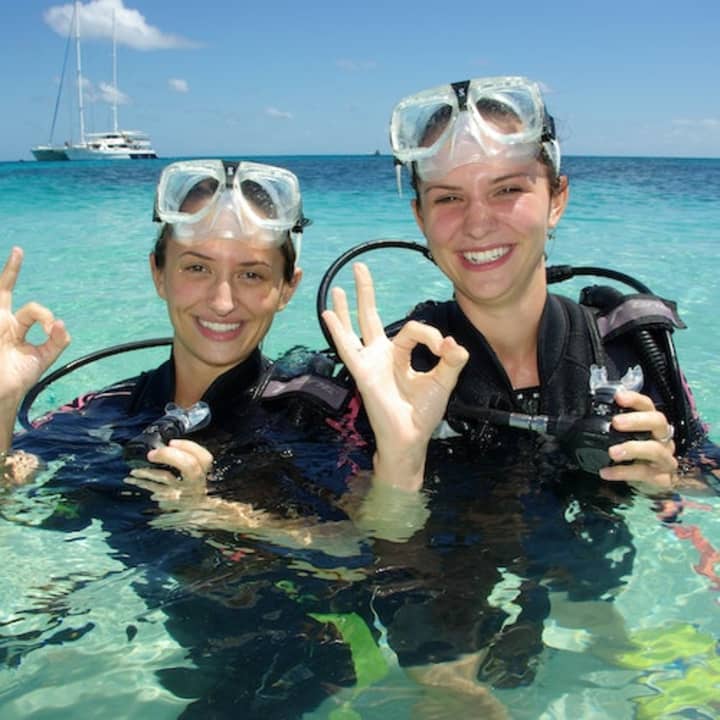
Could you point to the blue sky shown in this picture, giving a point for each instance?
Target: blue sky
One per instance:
(227, 77)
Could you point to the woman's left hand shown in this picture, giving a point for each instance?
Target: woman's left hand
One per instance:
(192, 461)
(650, 462)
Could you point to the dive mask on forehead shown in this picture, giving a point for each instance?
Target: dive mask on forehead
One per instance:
(227, 199)
(470, 121)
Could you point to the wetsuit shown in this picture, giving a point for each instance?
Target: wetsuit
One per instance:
(511, 517)
(505, 519)
(567, 346)
(256, 651)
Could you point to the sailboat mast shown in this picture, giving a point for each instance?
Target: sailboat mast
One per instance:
(79, 73)
(115, 85)
(68, 45)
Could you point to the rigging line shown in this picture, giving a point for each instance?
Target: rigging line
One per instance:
(62, 79)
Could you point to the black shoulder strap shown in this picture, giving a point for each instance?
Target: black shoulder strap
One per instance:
(267, 370)
(326, 392)
(596, 341)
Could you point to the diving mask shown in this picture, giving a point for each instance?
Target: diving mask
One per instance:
(470, 121)
(227, 199)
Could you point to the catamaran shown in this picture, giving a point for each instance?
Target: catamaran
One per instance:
(114, 144)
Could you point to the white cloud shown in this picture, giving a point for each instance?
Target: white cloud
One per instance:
(699, 124)
(110, 94)
(96, 21)
(103, 92)
(274, 112)
(89, 90)
(355, 65)
(179, 85)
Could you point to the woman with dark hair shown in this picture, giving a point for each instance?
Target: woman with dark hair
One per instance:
(492, 377)
(485, 164)
(225, 264)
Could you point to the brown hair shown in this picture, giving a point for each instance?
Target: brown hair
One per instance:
(200, 194)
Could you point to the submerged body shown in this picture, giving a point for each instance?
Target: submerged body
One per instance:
(222, 595)
(243, 601)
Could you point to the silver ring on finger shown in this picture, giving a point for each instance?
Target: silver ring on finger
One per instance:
(669, 435)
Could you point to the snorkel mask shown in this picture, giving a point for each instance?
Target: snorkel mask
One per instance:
(443, 128)
(232, 200)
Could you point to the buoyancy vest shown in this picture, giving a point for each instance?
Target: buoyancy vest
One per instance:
(565, 352)
(572, 337)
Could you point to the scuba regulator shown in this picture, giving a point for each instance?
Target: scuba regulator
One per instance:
(585, 439)
(175, 423)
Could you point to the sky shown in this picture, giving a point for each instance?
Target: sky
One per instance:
(285, 77)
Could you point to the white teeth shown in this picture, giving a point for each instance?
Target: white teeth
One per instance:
(487, 256)
(219, 327)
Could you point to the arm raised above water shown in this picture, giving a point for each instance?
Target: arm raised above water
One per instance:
(404, 406)
(22, 362)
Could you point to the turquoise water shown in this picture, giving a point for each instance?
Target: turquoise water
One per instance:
(86, 230)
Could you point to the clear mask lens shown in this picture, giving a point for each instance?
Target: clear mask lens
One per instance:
(453, 125)
(512, 113)
(244, 201)
(420, 123)
(468, 143)
(225, 219)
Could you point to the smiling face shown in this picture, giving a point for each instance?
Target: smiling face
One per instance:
(486, 224)
(222, 296)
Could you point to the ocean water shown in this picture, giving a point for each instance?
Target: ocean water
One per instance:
(86, 230)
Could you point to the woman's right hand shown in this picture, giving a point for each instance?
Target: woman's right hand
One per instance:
(186, 488)
(21, 361)
(404, 406)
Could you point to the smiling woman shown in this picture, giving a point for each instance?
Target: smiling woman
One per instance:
(485, 165)
(222, 296)
(221, 299)
(224, 262)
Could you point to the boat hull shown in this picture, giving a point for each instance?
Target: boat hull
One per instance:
(47, 153)
(80, 153)
(121, 145)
